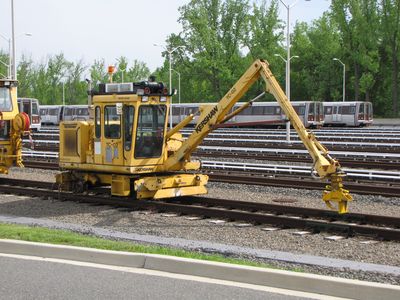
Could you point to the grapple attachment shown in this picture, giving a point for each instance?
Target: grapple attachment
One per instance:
(336, 193)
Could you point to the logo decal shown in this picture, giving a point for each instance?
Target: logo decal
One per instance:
(206, 119)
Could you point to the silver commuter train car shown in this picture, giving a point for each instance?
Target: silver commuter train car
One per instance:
(75, 113)
(50, 114)
(259, 114)
(54, 114)
(354, 113)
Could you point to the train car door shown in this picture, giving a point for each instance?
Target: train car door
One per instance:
(336, 114)
(369, 111)
(35, 117)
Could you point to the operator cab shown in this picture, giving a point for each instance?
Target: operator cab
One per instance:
(130, 122)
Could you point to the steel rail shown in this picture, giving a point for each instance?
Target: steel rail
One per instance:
(305, 158)
(366, 188)
(300, 170)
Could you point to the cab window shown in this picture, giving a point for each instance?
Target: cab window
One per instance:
(112, 123)
(129, 114)
(5, 99)
(150, 131)
(97, 118)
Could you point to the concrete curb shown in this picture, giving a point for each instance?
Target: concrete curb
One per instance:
(310, 283)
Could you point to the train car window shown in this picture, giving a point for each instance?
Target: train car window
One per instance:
(191, 110)
(68, 111)
(300, 110)
(311, 108)
(176, 111)
(347, 110)
(97, 118)
(246, 111)
(43, 111)
(53, 111)
(34, 108)
(361, 108)
(328, 110)
(112, 122)
(340, 108)
(129, 115)
(5, 99)
(335, 109)
(278, 110)
(269, 110)
(150, 131)
(258, 110)
(26, 107)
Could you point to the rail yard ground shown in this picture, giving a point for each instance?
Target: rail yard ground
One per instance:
(162, 225)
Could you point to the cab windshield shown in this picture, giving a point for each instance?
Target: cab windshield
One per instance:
(150, 131)
(5, 99)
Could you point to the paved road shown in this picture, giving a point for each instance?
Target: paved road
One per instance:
(35, 278)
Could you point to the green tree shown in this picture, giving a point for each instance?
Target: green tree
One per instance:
(138, 71)
(25, 77)
(389, 58)
(314, 75)
(213, 32)
(358, 24)
(98, 71)
(3, 64)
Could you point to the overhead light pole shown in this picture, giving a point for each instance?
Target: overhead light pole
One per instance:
(14, 64)
(179, 85)
(170, 74)
(179, 89)
(287, 88)
(122, 74)
(288, 7)
(344, 77)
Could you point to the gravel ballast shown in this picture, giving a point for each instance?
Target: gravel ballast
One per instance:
(158, 224)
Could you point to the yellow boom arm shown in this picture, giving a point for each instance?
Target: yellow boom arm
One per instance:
(324, 165)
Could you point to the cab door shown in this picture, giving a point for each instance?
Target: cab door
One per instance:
(128, 121)
(111, 145)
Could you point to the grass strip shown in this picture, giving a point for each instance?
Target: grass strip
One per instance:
(64, 237)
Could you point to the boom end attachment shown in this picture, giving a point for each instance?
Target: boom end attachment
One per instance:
(336, 193)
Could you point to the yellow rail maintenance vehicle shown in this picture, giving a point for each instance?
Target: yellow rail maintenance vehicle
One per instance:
(12, 125)
(127, 144)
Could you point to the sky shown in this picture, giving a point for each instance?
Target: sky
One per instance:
(95, 29)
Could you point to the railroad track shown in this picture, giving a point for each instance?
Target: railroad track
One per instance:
(387, 148)
(266, 179)
(362, 188)
(315, 220)
(385, 164)
(53, 145)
